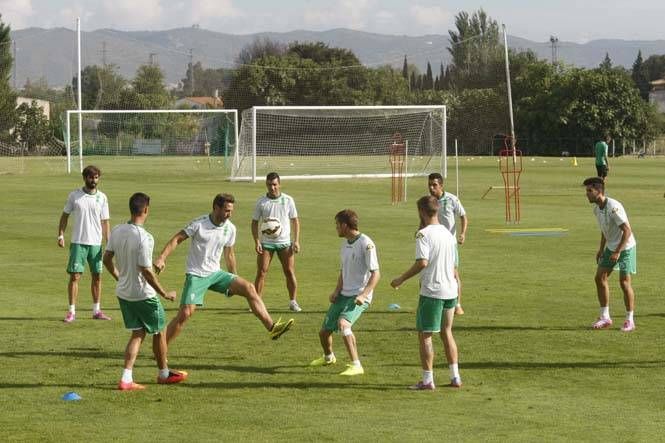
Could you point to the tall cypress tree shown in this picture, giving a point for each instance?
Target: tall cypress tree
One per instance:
(639, 77)
(7, 94)
(405, 69)
(428, 82)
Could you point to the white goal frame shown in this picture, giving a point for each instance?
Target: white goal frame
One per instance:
(80, 114)
(254, 109)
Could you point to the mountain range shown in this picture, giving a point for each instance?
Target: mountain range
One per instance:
(52, 53)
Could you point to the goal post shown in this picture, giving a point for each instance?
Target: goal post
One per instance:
(182, 132)
(329, 142)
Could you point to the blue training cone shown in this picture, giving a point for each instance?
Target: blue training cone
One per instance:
(393, 307)
(71, 396)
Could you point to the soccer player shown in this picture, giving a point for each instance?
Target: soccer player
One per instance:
(617, 250)
(276, 204)
(213, 234)
(435, 262)
(142, 312)
(450, 207)
(602, 163)
(91, 224)
(353, 293)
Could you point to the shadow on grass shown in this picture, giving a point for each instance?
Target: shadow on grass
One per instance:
(343, 384)
(73, 353)
(510, 365)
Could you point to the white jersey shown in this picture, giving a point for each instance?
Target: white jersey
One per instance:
(132, 247)
(610, 218)
(208, 243)
(450, 207)
(437, 245)
(283, 208)
(358, 260)
(89, 210)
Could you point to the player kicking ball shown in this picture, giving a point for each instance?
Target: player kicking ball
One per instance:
(131, 246)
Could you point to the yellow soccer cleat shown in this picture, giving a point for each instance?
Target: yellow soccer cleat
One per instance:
(280, 328)
(352, 370)
(321, 361)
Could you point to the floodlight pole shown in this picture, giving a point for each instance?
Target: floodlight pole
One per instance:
(510, 94)
(444, 144)
(78, 85)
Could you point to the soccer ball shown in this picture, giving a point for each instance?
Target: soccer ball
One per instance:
(271, 228)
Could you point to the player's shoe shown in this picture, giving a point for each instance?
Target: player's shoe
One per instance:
(174, 377)
(352, 370)
(628, 326)
(602, 323)
(279, 328)
(294, 306)
(420, 386)
(70, 317)
(455, 383)
(321, 361)
(131, 386)
(99, 315)
(459, 310)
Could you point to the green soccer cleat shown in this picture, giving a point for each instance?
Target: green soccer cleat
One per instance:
(280, 328)
(352, 370)
(321, 361)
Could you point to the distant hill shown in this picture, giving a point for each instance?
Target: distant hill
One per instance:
(51, 53)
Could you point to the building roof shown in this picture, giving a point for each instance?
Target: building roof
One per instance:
(212, 102)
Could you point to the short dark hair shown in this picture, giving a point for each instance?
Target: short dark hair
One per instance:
(428, 204)
(348, 217)
(596, 183)
(91, 170)
(221, 199)
(435, 176)
(138, 202)
(273, 175)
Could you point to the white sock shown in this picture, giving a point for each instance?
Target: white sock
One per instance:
(629, 315)
(356, 363)
(459, 305)
(330, 357)
(95, 308)
(454, 371)
(163, 373)
(428, 377)
(127, 376)
(72, 309)
(604, 312)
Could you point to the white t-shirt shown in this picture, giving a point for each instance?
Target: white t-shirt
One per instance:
(283, 208)
(132, 247)
(358, 260)
(89, 210)
(208, 242)
(610, 218)
(450, 207)
(437, 245)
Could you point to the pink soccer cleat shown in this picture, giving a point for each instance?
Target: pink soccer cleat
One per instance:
(628, 326)
(131, 386)
(70, 317)
(174, 377)
(455, 383)
(602, 323)
(420, 386)
(99, 315)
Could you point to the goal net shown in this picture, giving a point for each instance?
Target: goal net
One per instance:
(175, 132)
(338, 141)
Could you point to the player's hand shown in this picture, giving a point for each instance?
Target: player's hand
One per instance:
(170, 295)
(159, 265)
(396, 283)
(333, 297)
(461, 239)
(296, 247)
(61, 242)
(259, 248)
(615, 256)
(361, 299)
(598, 255)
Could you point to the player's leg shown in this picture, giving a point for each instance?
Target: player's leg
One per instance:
(177, 324)
(287, 259)
(625, 281)
(94, 258)
(329, 326)
(428, 321)
(449, 344)
(262, 265)
(131, 351)
(72, 296)
(603, 294)
(458, 308)
(355, 368)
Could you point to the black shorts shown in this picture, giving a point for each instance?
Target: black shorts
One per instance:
(601, 170)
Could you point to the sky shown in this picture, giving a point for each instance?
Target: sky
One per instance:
(569, 20)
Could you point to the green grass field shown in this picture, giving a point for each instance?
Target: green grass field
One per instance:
(532, 368)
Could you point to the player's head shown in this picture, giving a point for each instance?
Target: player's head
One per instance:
(222, 206)
(595, 188)
(346, 220)
(435, 184)
(273, 184)
(91, 176)
(608, 137)
(428, 206)
(139, 203)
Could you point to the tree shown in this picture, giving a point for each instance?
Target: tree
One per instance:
(405, 69)
(101, 87)
(428, 81)
(32, 129)
(207, 81)
(258, 49)
(7, 95)
(639, 76)
(606, 63)
(149, 89)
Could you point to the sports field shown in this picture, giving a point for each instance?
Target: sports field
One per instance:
(532, 368)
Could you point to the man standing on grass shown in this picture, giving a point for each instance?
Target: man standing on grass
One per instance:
(276, 204)
(213, 234)
(352, 294)
(602, 163)
(435, 258)
(91, 224)
(142, 312)
(617, 250)
(450, 207)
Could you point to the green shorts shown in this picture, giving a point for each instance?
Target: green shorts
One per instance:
(627, 263)
(346, 308)
(430, 313)
(275, 247)
(195, 287)
(145, 314)
(79, 254)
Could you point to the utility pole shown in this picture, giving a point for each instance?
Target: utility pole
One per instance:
(152, 59)
(191, 72)
(14, 44)
(554, 41)
(104, 53)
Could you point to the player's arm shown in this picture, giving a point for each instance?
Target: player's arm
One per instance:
(415, 269)
(338, 288)
(106, 230)
(255, 234)
(601, 247)
(464, 221)
(62, 225)
(153, 281)
(625, 235)
(160, 262)
(295, 228)
(230, 259)
(371, 284)
(107, 259)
